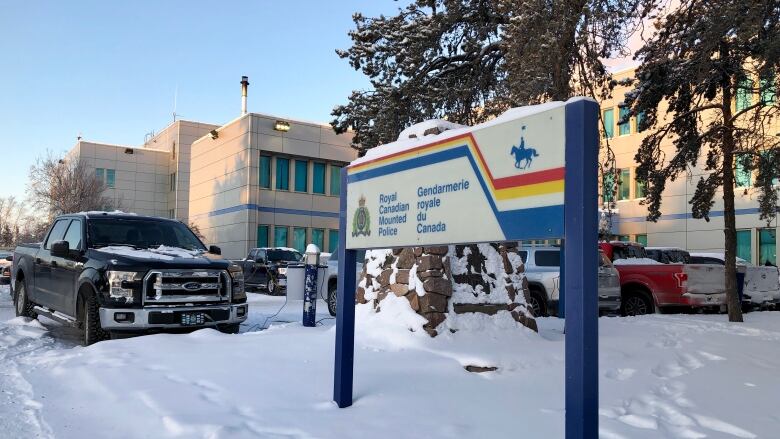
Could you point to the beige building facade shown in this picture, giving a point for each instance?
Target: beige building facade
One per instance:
(757, 241)
(264, 181)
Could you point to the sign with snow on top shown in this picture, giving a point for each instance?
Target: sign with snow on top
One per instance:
(497, 181)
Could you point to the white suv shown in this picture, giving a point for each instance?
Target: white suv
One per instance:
(543, 271)
(331, 284)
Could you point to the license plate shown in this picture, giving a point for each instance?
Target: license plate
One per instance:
(193, 318)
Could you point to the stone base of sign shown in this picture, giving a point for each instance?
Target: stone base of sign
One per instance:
(424, 276)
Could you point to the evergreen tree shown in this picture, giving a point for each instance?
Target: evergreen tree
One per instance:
(469, 60)
(713, 62)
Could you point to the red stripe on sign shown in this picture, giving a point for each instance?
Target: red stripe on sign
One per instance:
(530, 178)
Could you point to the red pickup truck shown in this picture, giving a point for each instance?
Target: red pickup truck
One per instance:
(647, 285)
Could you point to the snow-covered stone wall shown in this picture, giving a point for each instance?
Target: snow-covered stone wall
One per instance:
(437, 281)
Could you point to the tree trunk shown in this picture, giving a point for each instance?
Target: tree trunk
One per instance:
(729, 216)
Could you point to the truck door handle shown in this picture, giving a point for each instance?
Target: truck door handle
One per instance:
(37, 260)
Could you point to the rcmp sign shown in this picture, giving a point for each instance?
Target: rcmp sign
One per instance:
(500, 180)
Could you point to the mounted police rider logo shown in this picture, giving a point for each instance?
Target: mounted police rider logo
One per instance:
(523, 156)
(361, 221)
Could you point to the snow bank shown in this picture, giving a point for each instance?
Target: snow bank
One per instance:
(433, 127)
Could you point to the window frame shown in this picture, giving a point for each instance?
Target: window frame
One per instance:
(609, 128)
(265, 159)
(305, 163)
(279, 180)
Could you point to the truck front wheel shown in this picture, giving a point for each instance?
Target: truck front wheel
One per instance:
(92, 332)
(24, 308)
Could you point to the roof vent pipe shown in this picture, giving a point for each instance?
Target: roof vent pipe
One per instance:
(244, 86)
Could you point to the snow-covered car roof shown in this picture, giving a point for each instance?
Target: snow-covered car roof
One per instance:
(665, 248)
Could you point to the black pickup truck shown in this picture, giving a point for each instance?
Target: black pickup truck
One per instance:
(110, 273)
(266, 268)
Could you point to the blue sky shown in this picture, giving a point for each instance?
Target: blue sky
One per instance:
(109, 70)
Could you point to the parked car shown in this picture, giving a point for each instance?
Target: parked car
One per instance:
(115, 273)
(6, 260)
(266, 268)
(668, 255)
(542, 270)
(761, 288)
(331, 294)
(647, 284)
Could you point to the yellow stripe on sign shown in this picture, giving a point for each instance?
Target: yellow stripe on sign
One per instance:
(548, 187)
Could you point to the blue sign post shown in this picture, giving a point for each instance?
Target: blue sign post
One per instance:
(507, 200)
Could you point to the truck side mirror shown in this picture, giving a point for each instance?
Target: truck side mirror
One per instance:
(260, 260)
(214, 250)
(60, 249)
(10, 258)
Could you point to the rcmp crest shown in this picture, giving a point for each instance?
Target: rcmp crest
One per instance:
(361, 221)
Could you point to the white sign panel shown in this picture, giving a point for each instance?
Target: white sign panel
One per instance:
(501, 180)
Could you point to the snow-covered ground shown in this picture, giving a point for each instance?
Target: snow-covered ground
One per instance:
(678, 376)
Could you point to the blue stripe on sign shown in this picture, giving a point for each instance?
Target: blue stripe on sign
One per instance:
(687, 215)
(531, 223)
(258, 208)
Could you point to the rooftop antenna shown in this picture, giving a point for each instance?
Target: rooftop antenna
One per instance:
(175, 98)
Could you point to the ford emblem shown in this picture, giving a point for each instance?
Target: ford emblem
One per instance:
(191, 286)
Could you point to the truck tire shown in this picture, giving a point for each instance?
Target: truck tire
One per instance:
(271, 287)
(232, 328)
(332, 298)
(92, 332)
(636, 303)
(537, 304)
(24, 308)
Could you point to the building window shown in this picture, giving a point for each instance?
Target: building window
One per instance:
(301, 176)
(318, 238)
(173, 182)
(110, 178)
(642, 239)
(335, 180)
(744, 247)
(767, 157)
(299, 239)
(623, 238)
(318, 185)
(767, 247)
(624, 184)
(609, 123)
(742, 175)
(280, 236)
(333, 240)
(100, 174)
(265, 172)
(768, 88)
(608, 187)
(744, 94)
(639, 189)
(639, 118)
(262, 236)
(624, 128)
(282, 174)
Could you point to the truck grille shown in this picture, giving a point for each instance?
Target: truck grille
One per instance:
(186, 286)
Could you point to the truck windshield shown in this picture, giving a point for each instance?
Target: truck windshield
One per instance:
(283, 255)
(140, 233)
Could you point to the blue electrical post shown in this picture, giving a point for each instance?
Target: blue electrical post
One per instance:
(312, 258)
(345, 309)
(581, 268)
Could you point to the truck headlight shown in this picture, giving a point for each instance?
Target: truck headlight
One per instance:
(120, 285)
(237, 287)
(283, 271)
